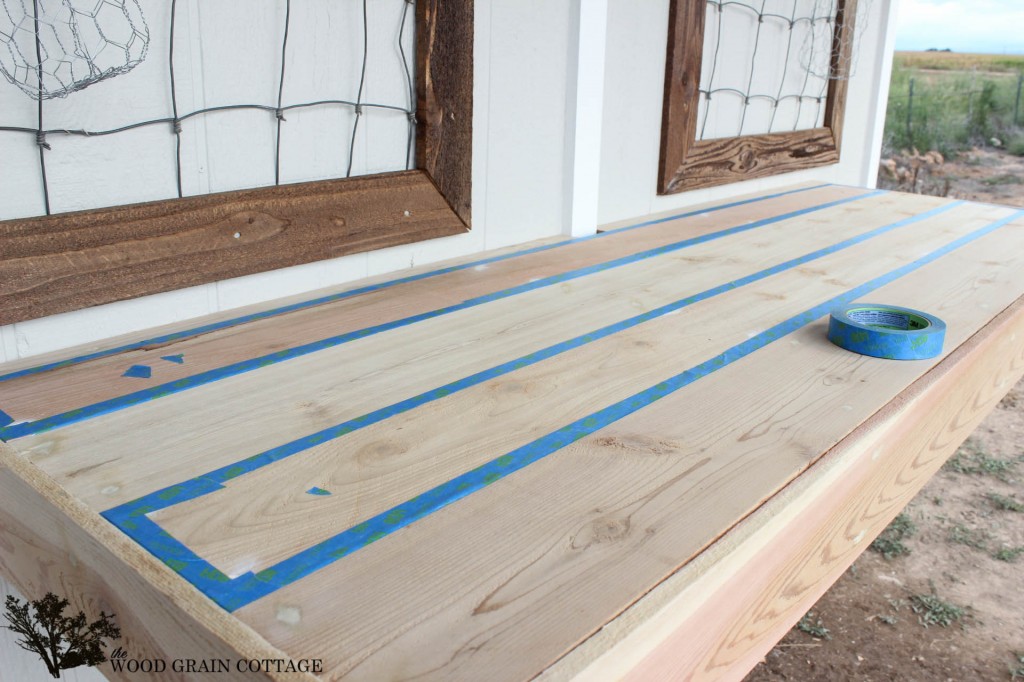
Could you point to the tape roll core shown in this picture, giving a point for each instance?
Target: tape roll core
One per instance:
(884, 331)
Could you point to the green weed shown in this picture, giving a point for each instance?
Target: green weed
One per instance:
(889, 542)
(1004, 503)
(1008, 554)
(971, 459)
(1017, 670)
(972, 537)
(813, 626)
(933, 610)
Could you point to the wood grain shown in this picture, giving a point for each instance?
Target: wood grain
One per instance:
(686, 23)
(732, 159)
(444, 93)
(678, 540)
(257, 520)
(758, 587)
(50, 542)
(108, 460)
(686, 163)
(60, 263)
(60, 390)
(70, 261)
(513, 577)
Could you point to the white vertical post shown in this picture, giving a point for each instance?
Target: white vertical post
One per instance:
(584, 107)
(885, 47)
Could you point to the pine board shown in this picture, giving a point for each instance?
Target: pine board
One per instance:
(672, 541)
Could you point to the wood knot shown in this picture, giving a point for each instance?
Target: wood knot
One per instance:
(252, 226)
(638, 444)
(600, 531)
(379, 451)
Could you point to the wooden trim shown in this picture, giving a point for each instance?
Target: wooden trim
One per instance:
(69, 261)
(74, 260)
(687, 164)
(444, 93)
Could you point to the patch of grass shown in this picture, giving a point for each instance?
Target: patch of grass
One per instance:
(933, 610)
(1004, 503)
(971, 459)
(889, 542)
(1017, 670)
(972, 537)
(887, 618)
(959, 101)
(897, 604)
(813, 626)
(1005, 179)
(1008, 554)
(1016, 146)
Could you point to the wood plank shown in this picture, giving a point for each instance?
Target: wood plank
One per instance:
(50, 542)
(59, 263)
(717, 617)
(679, 532)
(36, 396)
(110, 343)
(444, 93)
(108, 460)
(257, 520)
(710, 163)
(682, 87)
(573, 540)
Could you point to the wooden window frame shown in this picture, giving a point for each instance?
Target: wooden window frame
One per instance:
(687, 163)
(69, 261)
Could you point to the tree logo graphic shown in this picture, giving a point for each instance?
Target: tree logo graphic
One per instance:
(61, 641)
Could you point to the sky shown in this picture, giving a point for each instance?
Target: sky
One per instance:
(995, 26)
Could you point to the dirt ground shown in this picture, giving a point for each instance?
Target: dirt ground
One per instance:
(941, 594)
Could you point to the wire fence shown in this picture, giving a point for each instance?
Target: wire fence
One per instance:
(767, 65)
(948, 113)
(37, 85)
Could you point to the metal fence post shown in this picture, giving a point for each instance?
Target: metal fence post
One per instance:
(910, 113)
(1016, 105)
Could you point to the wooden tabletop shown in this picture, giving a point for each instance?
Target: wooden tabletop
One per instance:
(570, 458)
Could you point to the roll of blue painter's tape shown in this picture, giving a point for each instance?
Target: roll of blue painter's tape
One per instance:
(885, 331)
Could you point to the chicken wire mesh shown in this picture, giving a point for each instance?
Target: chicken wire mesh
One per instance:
(51, 48)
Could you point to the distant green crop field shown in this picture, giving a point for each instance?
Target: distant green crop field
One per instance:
(950, 101)
(959, 61)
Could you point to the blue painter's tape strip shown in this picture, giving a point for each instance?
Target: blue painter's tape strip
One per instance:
(138, 372)
(234, 369)
(5, 419)
(235, 593)
(885, 331)
(178, 359)
(282, 310)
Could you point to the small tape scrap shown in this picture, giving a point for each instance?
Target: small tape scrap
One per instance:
(178, 359)
(138, 372)
(884, 331)
(318, 491)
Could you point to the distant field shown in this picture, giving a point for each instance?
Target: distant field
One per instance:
(952, 101)
(959, 61)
